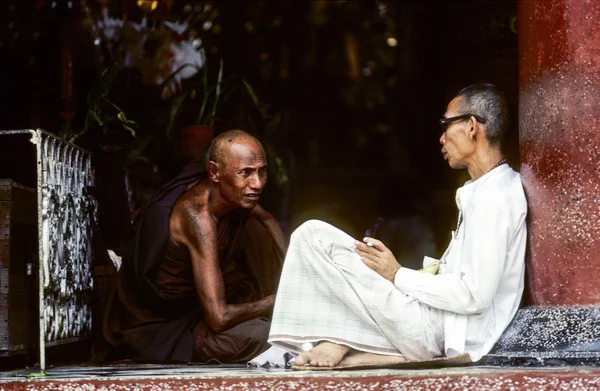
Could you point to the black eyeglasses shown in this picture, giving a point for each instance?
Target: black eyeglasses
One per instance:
(444, 122)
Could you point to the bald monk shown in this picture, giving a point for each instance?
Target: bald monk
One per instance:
(200, 270)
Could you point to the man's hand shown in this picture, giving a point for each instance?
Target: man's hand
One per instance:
(378, 257)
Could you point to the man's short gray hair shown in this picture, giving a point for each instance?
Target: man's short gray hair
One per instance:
(489, 102)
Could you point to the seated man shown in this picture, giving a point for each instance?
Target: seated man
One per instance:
(200, 270)
(359, 306)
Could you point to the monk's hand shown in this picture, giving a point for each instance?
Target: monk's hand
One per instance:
(268, 302)
(378, 257)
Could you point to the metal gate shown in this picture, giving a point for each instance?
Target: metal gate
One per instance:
(66, 213)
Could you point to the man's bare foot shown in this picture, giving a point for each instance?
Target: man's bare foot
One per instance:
(325, 354)
(364, 358)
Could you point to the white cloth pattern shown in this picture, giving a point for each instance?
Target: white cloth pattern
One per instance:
(327, 293)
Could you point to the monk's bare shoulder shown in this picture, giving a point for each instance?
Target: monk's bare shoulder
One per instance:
(271, 224)
(190, 220)
(261, 213)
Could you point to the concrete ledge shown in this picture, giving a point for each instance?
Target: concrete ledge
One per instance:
(195, 377)
(550, 336)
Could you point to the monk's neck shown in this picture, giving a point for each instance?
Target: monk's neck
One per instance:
(217, 205)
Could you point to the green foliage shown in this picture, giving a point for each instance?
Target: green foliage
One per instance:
(122, 110)
(103, 114)
(267, 128)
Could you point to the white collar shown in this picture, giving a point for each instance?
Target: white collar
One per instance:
(464, 193)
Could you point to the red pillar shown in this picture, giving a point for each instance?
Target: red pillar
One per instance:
(559, 131)
(559, 69)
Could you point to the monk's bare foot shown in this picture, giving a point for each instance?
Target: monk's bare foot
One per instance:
(364, 358)
(325, 354)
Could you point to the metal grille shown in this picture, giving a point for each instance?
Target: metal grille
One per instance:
(67, 206)
(67, 209)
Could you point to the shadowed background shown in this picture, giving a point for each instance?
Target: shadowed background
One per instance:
(345, 95)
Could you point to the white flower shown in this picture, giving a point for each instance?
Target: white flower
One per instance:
(139, 26)
(186, 54)
(185, 63)
(109, 26)
(179, 28)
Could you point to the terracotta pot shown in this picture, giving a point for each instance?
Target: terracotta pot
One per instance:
(193, 140)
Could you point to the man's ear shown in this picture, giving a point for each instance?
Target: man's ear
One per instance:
(213, 170)
(473, 128)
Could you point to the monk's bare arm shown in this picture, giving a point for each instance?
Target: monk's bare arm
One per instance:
(198, 232)
(271, 224)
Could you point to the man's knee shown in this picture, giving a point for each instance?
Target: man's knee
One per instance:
(308, 228)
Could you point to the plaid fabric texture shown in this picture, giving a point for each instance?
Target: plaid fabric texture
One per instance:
(326, 293)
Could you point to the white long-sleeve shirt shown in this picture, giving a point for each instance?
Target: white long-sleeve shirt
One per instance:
(481, 276)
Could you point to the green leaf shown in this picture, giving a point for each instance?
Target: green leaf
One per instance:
(125, 122)
(172, 75)
(251, 92)
(230, 93)
(107, 79)
(176, 103)
(139, 146)
(121, 116)
(131, 130)
(94, 116)
(217, 94)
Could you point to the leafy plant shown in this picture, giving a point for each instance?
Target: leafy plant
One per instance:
(203, 118)
(235, 98)
(102, 112)
(211, 95)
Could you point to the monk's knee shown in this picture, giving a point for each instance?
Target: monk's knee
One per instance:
(238, 344)
(258, 331)
(252, 339)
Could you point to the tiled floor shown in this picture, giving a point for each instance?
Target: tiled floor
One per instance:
(198, 377)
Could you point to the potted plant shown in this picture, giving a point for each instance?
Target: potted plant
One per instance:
(194, 138)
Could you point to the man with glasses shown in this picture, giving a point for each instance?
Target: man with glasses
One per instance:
(345, 302)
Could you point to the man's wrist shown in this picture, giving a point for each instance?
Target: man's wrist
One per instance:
(392, 275)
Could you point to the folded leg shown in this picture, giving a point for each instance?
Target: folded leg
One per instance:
(238, 344)
(326, 293)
